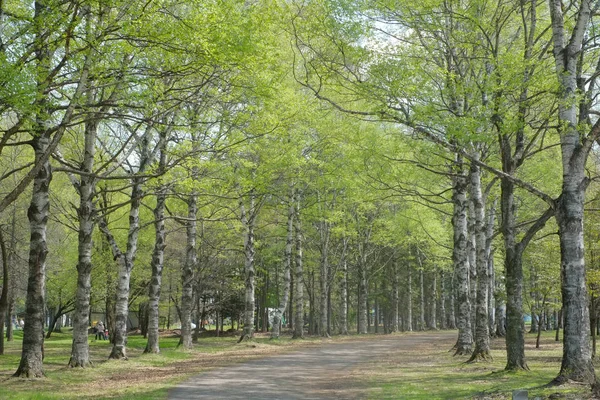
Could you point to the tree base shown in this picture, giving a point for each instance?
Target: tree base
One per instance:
(462, 350)
(75, 363)
(151, 350)
(480, 355)
(584, 377)
(29, 372)
(118, 353)
(244, 338)
(520, 365)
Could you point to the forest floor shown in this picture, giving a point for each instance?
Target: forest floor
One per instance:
(418, 365)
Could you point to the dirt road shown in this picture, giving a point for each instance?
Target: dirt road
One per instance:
(328, 371)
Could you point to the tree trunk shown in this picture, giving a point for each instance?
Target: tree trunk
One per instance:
(421, 298)
(489, 254)
(119, 334)
(110, 304)
(157, 262)
(4, 296)
(324, 233)
(311, 303)
(500, 318)
(482, 334)
(10, 328)
(377, 309)
(461, 261)
(395, 298)
(577, 357)
(344, 292)
(409, 326)
(248, 219)
(452, 305)
(11, 261)
(80, 353)
(543, 312)
(443, 296)
(472, 251)
(513, 266)
(125, 266)
(558, 325)
(433, 302)
(291, 314)
(298, 278)
(287, 259)
(187, 273)
(362, 297)
(38, 212)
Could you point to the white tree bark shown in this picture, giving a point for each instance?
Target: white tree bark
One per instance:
(433, 302)
(45, 139)
(248, 221)
(443, 298)
(422, 325)
(482, 335)
(472, 265)
(287, 268)
(577, 356)
(362, 292)
(86, 215)
(125, 260)
(395, 297)
(461, 261)
(299, 273)
(344, 291)
(157, 262)
(325, 234)
(38, 212)
(187, 273)
(409, 305)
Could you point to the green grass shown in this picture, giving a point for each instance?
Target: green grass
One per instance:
(434, 373)
(142, 376)
(424, 372)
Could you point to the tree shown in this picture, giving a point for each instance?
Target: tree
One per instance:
(577, 135)
(45, 138)
(4, 294)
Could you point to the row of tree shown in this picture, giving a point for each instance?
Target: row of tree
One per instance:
(373, 171)
(503, 87)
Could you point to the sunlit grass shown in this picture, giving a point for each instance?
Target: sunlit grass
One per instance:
(142, 376)
(423, 372)
(432, 372)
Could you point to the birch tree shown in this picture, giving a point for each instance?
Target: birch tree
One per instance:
(287, 268)
(577, 135)
(45, 137)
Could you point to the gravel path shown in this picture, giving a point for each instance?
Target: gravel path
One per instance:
(314, 373)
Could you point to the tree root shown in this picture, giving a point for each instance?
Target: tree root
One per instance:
(480, 355)
(79, 363)
(118, 353)
(522, 366)
(244, 338)
(29, 373)
(463, 351)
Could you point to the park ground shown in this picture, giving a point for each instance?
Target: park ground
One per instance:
(414, 366)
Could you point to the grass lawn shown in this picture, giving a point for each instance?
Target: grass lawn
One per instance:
(142, 376)
(423, 371)
(432, 372)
